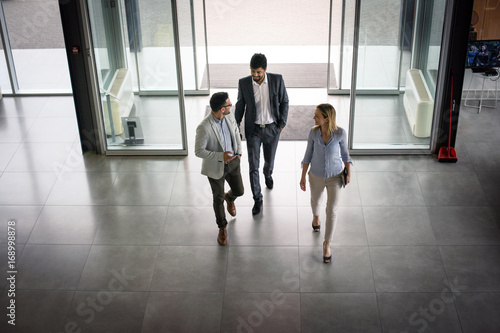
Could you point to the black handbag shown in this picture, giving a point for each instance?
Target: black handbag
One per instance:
(344, 177)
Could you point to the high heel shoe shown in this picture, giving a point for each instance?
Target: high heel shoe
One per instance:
(327, 260)
(316, 227)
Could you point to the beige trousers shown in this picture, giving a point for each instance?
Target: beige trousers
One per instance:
(333, 186)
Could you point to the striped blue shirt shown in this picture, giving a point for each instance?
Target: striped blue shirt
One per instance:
(326, 159)
(225, 134)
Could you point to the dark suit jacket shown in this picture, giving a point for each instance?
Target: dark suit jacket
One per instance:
(245, 105)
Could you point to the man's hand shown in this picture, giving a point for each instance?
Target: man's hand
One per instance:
(228, 156)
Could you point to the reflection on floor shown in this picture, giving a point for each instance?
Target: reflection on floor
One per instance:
(128, 244)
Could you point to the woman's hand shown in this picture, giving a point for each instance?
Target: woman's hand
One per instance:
(303, 183)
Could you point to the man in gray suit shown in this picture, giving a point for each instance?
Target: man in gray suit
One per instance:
(263, 99)
(218, 143)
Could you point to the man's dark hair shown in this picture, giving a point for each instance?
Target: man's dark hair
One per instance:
(218, 100)
(258, 61)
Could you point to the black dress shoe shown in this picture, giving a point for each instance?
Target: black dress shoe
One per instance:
(257, 207)
(269, 182)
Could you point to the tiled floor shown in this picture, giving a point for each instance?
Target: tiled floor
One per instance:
(115, 244)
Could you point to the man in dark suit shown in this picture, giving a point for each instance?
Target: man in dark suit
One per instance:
(263, 100)
(218, 143)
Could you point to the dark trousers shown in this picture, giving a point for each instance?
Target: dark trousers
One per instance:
(268, 137)
(232, 175)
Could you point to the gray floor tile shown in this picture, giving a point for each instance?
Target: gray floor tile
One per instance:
(190, 226)
(384, 163)
(484, 155)
(40, 157)
(183, 312)
(82, 188)
(56, 267)
(398, 226)
(107, 311)
(190, 163)
(350, 228)
(24, 218)
(149, 163)
(262, 269)
(90, 161)
(478, 127)
(407, 268)
(25, 188)
(382, 105)
(464, 225)
(124, 268)
(284, 192)
(53, 130)
(447, 189)
(350, 270)
(389, 189)
(190, 268)
(66, 225)
(261, 312)
(137, 188)
(7, 151)
(339, 312)
(490, 182)
(418, 312)
(478, 312)
(474, 267)
(285, 153)
(14, 130)
(22, 106)
(389, 130)
(131, 225)
(44, 309)
(274, 226)
(62, 106)
(193, 189)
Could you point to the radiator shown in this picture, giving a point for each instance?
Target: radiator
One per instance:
(121, 100)
(418, 103)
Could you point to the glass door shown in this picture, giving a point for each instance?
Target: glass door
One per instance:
(395, 64)
(149, 42)
(134, 124)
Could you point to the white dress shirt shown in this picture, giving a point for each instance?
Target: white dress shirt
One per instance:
(262, 103)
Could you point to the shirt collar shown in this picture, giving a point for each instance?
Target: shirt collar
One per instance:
(218, 121)
(264, 82)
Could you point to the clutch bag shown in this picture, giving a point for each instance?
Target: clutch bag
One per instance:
(344, 177)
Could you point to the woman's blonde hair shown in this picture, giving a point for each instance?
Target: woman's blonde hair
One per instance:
(328, 112)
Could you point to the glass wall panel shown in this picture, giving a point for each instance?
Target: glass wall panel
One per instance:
(37, 43)
(137, 124)
(341, 45)
(4, 72)
(148, 34)
(393, 103)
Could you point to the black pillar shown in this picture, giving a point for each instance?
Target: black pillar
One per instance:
(460, 27)
(76, 52)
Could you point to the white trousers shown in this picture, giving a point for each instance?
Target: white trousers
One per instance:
(333, 186)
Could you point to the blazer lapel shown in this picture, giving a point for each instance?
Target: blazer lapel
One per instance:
(215, 129)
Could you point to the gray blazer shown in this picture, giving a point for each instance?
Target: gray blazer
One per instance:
(208, 145)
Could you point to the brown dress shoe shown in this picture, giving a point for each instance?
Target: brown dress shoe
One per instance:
(231, 208)
(222, 238)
